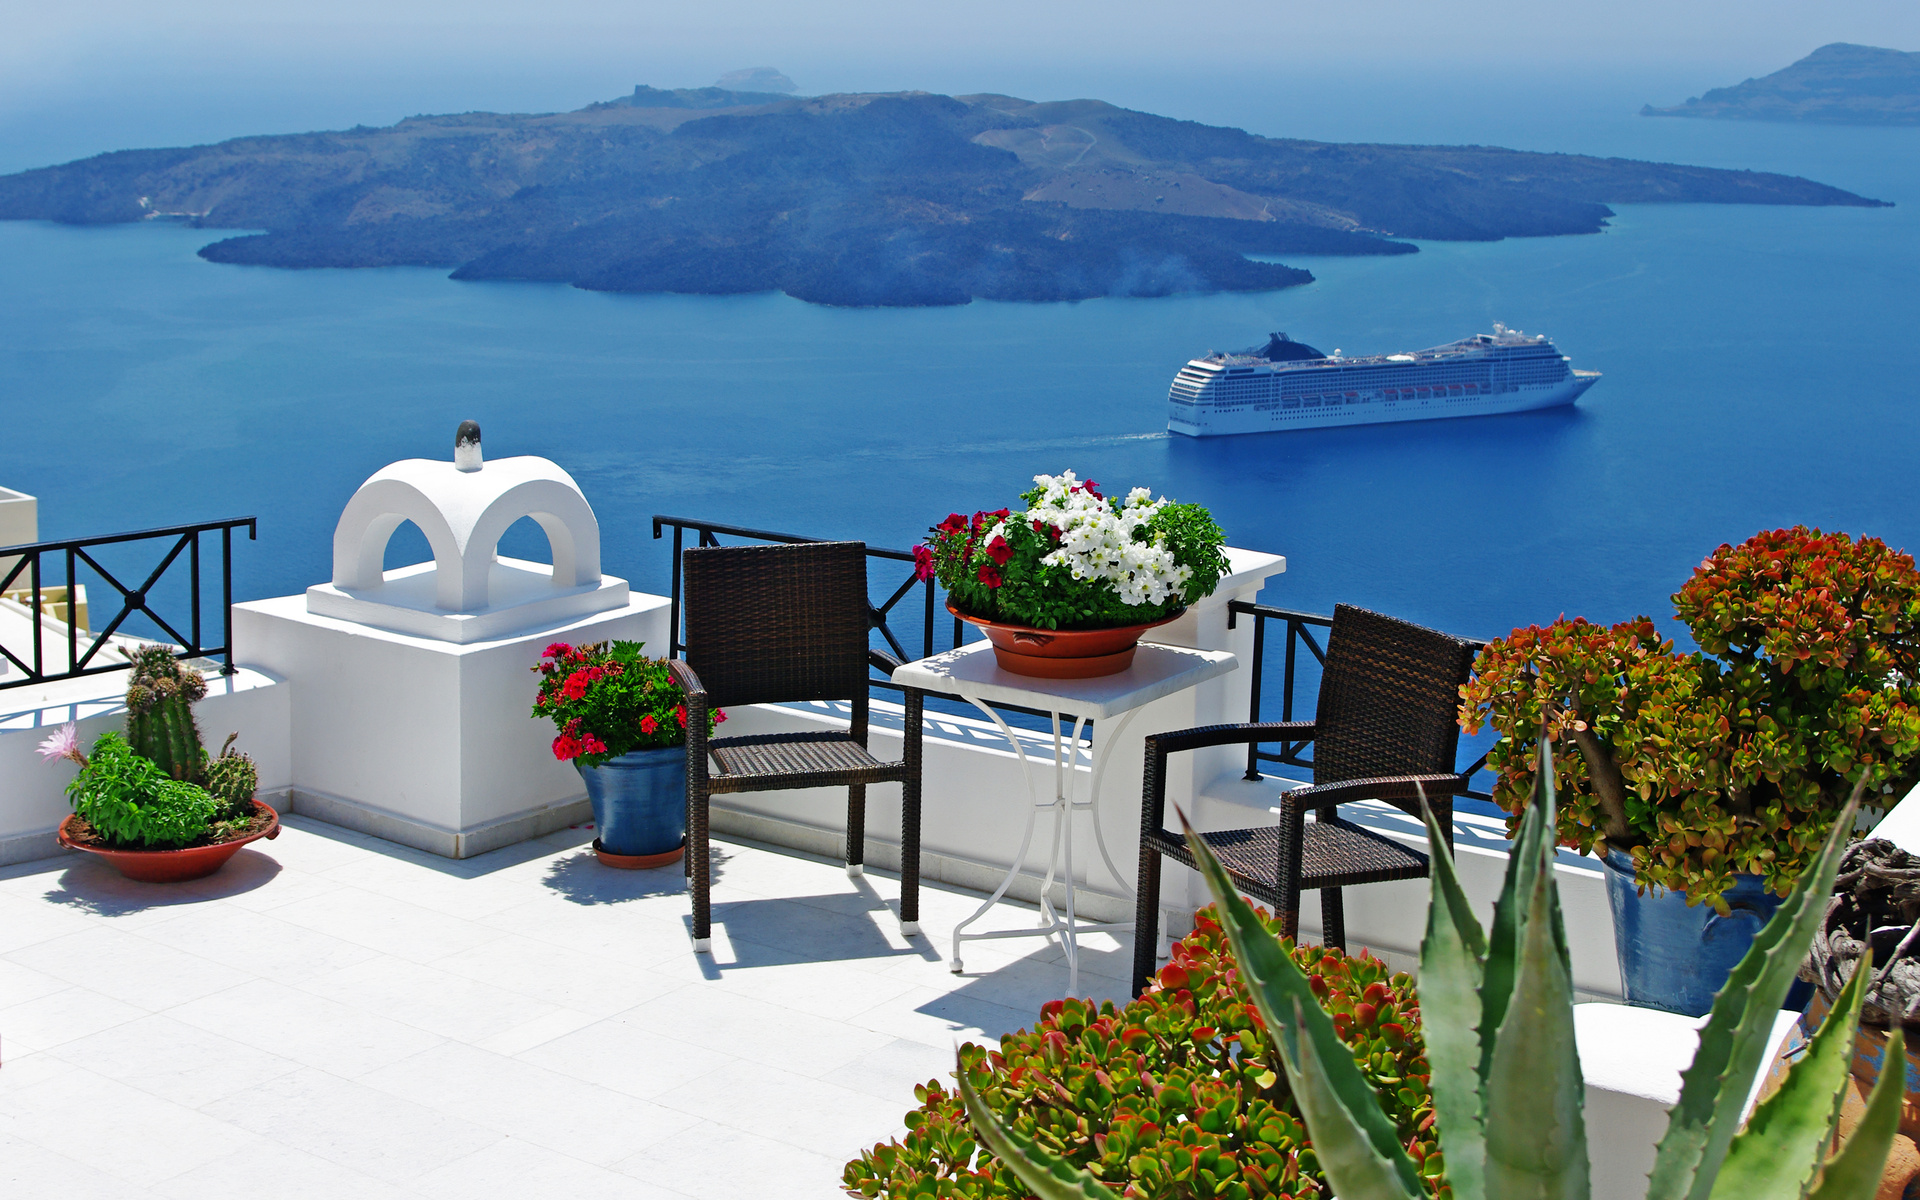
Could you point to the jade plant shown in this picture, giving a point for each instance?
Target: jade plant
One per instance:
(1505, 1069)
(156, 787)
(1179, 1093)
(1735, 758)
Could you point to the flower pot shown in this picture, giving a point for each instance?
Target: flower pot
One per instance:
(1869, 1056)
(1063, 653)
(172, 866)
(639, 807)
(1673, 956)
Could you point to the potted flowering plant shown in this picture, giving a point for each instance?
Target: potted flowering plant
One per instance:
(153, 802)
(1066, 588)
(1713, 776)
(622, 723)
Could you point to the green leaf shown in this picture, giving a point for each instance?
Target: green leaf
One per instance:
(1536, 1133)
(1347, 1150)
(1787, 1137)
(1503, 948)
(1733, 1042)
(1854, 1173)
(1337, 1098)
(1451, 963)
(1049, 1176)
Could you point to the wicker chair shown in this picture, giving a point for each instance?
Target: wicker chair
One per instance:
(775, 624)
(1386, 726)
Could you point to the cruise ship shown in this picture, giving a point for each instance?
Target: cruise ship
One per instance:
(1290, 385)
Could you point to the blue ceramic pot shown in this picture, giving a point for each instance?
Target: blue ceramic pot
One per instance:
(1674, 957)
(639, 800)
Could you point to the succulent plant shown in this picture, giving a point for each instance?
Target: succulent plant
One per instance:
(233, 779)
(1175, 1094)
(160, 724)
(1506, 1081)
(1732, 759)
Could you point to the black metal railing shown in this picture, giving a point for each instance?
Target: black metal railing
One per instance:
(171, 584)
(1299, 633)
(879, 616)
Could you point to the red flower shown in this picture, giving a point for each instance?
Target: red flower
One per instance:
(565, 748)
(719, 715)
(681, 713)
(557, 650)
(922, 563)
(953, 524)
(573, 728)
(989, 576)
(576, 686)
(648, 724)
(999, 551)
(592, 745)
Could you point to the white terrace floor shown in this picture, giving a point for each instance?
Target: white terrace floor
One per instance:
(334, 1016)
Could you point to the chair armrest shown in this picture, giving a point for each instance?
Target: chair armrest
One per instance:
(1229, 735)
(880, 658)
(1153, 789)
(1384, 787)
(689, 681)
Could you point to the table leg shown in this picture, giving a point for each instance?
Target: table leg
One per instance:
(1026, 836)
(1063, 774)
(1110, 737)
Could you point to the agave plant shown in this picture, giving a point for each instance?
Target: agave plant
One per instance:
(1507, 1088)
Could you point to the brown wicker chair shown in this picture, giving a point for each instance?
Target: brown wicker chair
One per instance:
(776, 624)
(1386, 726)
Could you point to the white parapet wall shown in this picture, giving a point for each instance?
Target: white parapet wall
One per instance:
(422, 741)
(33, 798)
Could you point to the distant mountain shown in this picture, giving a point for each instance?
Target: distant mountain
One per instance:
(1840, 84)
(899, 199)
(757, 79)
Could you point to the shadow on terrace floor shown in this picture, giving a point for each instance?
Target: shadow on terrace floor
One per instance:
(88, 885)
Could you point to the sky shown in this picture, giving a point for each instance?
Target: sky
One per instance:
(82, 76)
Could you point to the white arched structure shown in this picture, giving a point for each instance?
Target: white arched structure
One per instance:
(468, 592)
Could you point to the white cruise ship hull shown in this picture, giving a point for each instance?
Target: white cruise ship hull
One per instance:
(1229, 394)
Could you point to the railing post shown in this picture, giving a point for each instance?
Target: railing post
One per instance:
(1253, 705)
(39, 651)
(73, 607)
(193, 591)
(226, 593)
(674, 646)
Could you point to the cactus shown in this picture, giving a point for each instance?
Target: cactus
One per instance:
(1498, 1014)
(233, 778)
(160, 724)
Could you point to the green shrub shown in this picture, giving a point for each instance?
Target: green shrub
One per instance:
(1178, 1094)
(132, 803)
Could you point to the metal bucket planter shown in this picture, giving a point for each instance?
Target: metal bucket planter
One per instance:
(639, 807)
(1674, 957)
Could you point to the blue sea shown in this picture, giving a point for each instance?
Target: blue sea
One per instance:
(1758, 371)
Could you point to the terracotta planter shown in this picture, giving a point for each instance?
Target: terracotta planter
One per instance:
(1063, 653)
(173, 866)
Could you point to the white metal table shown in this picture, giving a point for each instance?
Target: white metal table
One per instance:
(971, 674)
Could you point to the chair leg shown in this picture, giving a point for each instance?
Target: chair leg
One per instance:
(1287, 902)
(1146, 919)
(699, 874)
(1333, 919)
(856, 830)
(910, 856)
